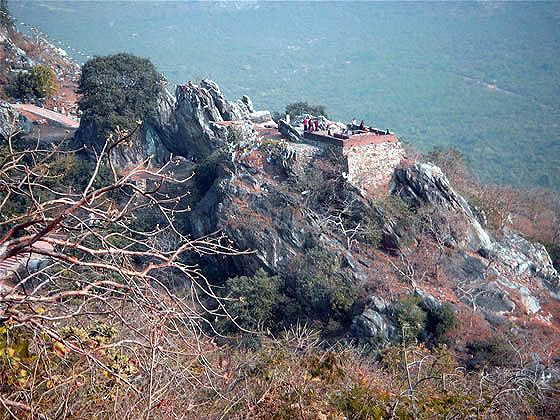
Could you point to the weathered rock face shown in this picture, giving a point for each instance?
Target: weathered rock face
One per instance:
(375, 323)
(10, 121)
(188, 123)
(519, 256)
(144, 145)
(258, 214)
(424, 183)
(289, 132)
(191, 129)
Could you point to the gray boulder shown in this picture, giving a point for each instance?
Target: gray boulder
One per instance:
(425, 183)
(10, 121)
(289, 132)
(518, 256)
(372, 325)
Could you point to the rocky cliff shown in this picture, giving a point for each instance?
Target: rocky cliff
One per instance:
(282, 200)
(189, 122)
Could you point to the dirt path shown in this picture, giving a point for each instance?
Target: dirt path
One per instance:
(49, 115)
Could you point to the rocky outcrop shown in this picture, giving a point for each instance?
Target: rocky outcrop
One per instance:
(497, 276)
(425, 183)
(10, 121)
(375, 323)
(191, 122)
(289, 132)
(517, 255)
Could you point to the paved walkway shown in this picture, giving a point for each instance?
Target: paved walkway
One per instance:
(47, 114)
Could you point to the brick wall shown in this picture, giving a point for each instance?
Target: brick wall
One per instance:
(368, 164)
(370, 167)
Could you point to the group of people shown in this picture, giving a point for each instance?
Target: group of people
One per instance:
(362, 126)
(310, 124)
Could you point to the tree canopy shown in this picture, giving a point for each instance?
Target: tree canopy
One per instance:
(40, 82)
(117, 90)
(299, 108)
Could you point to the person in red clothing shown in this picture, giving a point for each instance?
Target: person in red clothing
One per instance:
(362, 126)
(305, 123)
(316, 122)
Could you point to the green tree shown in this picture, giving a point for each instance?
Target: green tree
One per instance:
(411, 318)
(299, 108)
(323, 288)
(40, 82)
(440, 322)
(255, 302)
(118, 90)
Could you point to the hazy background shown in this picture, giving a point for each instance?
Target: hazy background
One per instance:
(482, 76)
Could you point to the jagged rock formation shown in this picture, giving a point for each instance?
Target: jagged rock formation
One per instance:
(264, 206)
(289, 132)
(424, 183)
(273, 198)
(10, 121)
(189, 123)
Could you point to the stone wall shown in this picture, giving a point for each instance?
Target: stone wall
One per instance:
(370, 167)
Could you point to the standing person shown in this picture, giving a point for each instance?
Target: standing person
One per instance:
(362, 126)
(305, 122)
(316, 124)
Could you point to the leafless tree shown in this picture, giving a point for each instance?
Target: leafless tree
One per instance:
(94, 297)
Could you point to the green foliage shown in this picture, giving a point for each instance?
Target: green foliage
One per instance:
(118, 90)
(361, 402)
(411, 318)
(394, 210)
(255, 302)
(207, 171)
(394, 207)
(440, 322)
(373, 234)
(299, 108)
(430, 326)
(489, 353)
(323, 289)
(15, 356)
(75, 172)
(40, 82)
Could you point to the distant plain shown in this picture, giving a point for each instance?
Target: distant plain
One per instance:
(481, 76)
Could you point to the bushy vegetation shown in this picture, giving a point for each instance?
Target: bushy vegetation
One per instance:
(255, 302)
(322, 288)
(430, 326)
(489, 353)
(39, 82)
(299, 108)
(440, 322)
(118, 90)
(411, 318)
(207, 171)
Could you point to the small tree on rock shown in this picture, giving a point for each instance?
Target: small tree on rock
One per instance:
(299, 108)
(40, 82)
(118, 90)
